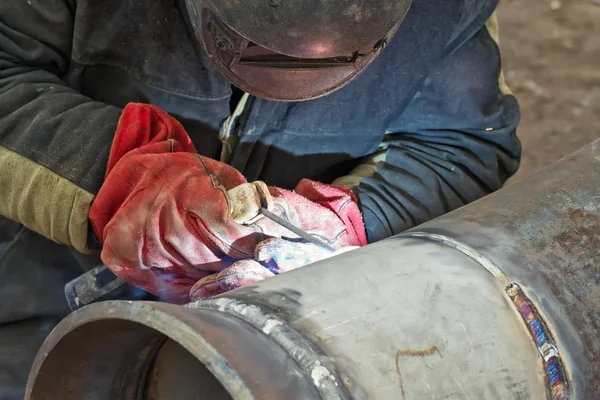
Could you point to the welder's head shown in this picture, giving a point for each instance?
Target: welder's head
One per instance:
(292, 50)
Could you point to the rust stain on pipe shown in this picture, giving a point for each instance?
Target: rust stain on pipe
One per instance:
(412, 353)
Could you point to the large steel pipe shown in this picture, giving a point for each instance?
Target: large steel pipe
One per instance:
(497, 300)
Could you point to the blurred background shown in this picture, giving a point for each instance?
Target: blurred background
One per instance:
(551, 59)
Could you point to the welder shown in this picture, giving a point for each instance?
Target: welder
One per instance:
(124, 124)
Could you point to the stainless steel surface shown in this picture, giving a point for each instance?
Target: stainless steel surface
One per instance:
(544, 233)
(422, 315)
(176, 374)
(405, 319)
(114, 350)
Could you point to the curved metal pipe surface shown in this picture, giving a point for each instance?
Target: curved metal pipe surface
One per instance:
(544, 234)
(497, 300)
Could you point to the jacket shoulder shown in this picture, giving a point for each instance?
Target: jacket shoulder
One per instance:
(473, 16)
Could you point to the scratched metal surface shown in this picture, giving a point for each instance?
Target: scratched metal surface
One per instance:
(114, 351)
(409, 319)
(544, 233)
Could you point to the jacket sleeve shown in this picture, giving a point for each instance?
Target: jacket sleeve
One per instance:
(455, 143)
(54, 142)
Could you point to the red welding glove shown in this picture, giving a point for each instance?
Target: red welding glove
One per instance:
(277, 255)
(162, 213)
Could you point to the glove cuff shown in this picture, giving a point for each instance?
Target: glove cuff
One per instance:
(150, 129)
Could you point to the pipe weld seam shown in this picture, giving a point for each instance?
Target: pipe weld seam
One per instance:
(318, 367)
(556, 379)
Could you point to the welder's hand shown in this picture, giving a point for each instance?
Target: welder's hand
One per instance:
(327, 212)
(272, 256)
(162, 213)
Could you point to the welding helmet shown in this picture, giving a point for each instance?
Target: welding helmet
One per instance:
(292, 50)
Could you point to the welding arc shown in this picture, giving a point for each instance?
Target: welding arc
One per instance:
(294, 229)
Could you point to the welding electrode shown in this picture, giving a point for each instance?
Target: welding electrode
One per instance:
(247, 204)
(251, 201)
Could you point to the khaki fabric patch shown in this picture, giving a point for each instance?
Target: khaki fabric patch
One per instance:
(494, 31)
(365, 169)
(43, 201)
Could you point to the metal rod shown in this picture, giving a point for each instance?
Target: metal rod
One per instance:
(294, 229)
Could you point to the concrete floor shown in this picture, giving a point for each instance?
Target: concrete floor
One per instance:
(551, 57)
